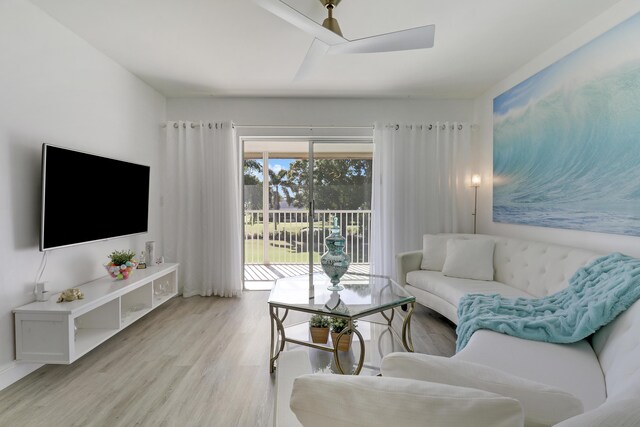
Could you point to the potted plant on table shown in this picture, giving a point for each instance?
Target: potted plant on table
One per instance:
(121, 265)
(319, 328)
(337, 326)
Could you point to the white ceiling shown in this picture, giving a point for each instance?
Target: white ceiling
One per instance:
(236, 48)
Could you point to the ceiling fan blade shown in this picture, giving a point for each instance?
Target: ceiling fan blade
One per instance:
(314, 54)
(292, 16)
(414, 38)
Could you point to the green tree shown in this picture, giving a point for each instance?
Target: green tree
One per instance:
(339, 184)
(279, 185)
(252, 170)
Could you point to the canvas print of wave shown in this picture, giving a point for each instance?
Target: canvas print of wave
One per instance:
(566, 141)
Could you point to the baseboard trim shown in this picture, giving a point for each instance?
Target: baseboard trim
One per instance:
(16, 371)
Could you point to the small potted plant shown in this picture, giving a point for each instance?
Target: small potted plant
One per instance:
(319, 328)
(337, 325)
(121, 265)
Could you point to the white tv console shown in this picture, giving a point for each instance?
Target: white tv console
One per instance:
(51, 332)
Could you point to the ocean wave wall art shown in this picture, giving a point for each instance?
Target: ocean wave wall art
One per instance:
(566, 141)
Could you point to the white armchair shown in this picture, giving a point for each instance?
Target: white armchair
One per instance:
(319, 400)
(542, 404)
(416, 389)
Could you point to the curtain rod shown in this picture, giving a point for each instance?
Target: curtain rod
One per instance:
(430, 126)
(195, 125)
(393, 126)
(301, 126)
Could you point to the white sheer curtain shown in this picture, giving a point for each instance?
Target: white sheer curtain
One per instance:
(421, 184)
(201, 209)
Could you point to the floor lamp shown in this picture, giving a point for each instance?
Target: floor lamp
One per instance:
(476, 180)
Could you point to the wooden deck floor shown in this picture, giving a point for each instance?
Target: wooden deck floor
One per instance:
(266, 273)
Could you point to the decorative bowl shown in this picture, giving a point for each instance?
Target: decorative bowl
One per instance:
(121, 272)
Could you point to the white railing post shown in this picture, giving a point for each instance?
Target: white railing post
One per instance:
(265, 208)
(357, 226)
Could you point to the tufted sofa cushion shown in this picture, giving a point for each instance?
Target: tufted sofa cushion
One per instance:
(539, 269)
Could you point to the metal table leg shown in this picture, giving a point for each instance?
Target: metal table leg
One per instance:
(347, 330)
(389, 319)
(276, 323)
(406, 329)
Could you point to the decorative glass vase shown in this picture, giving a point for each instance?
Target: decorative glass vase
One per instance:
(121, 272)
(335, 262)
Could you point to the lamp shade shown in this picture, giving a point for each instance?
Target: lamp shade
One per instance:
(476, 180)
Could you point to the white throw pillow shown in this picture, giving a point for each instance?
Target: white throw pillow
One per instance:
(434, 252)
(469, 259)
(543, 405)
(320, 400)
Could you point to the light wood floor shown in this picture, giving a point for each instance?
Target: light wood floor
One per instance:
(193, 362)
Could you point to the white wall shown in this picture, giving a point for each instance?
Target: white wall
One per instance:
(56, 88)
(321, 111)
(483, 110)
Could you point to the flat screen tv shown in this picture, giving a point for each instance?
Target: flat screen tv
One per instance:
(87, 198)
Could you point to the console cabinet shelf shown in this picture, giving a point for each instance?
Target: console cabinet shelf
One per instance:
(51, 332)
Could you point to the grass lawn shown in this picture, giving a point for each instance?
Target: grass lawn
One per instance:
(278, 252)
(292, 227)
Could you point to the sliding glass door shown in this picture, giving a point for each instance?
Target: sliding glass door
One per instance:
(292, 191)
(340, 187)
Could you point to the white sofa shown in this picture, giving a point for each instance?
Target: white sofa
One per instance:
(602, 372)
(521, 269)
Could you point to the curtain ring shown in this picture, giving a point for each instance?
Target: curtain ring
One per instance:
(193, 125)
(175, 126)
(430, 127)
(420, 127)
(184, 125)
(459, 127)
(444, 127)
(397, 127)
(216, 125)
(210, 125)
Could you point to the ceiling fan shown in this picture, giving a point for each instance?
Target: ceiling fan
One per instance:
(329, 39)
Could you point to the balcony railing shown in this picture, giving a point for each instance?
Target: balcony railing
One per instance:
(285, 238)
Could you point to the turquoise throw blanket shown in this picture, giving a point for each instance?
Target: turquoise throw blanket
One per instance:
(596, 294)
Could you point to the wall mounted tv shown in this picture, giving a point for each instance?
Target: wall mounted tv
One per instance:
(86, 198)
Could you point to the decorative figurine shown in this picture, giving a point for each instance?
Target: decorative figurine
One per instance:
(70, 295)
(142, 264)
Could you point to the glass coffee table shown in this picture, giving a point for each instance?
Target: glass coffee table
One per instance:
(371, 300)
